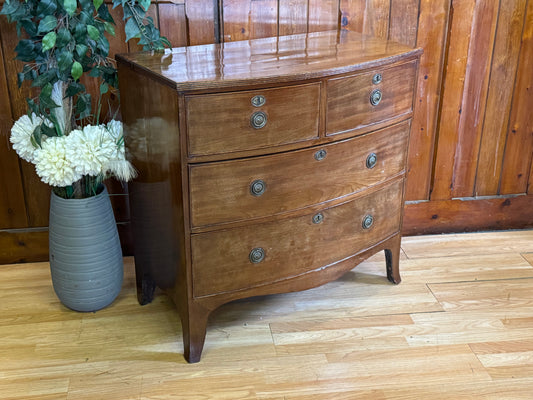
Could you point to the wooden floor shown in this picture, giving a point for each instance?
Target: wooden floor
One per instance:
(459, 326)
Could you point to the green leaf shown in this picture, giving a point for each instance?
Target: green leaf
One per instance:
(64, 61)
(76, 71)
(49, 41)
(70, 6)
(45, 8)
(63, 37)
(104, 88)
(97, 4)
(132, 29)
(93, 32)
(110, 28)
(145, 4)
(25, 50)
(81, 49)
(47, 24)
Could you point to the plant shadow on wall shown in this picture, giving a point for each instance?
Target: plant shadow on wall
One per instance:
(61, 42)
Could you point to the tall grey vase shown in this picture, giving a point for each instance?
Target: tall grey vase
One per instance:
(85, 253)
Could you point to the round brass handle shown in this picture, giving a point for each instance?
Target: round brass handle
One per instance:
(257, 187)
(371, 160)
(258, 119)
(318, 218)
(368, 221)
(375, 97)
(257, 255)
(258, 101)
(377, 79)
(320, 155)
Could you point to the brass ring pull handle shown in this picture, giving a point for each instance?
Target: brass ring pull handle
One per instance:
(375, 97)
(257, 255)
(377, 79)
(320, 155)
(258, 101)
(318, 218)
(257, 187)
(371, 160)
(368, 221)
(258, 119)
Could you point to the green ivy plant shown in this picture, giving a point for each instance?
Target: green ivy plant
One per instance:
(60, 41)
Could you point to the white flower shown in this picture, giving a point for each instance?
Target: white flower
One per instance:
(118, 165)
(52, 164)
(21, 136)
(116, 129)
(90, 150)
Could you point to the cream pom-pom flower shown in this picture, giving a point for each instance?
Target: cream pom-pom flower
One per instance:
(90, 150)
(52, 164)
(21, 136)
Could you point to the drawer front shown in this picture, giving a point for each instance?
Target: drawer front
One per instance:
(230, 122)
(234, 259)
(236, 190)
(357, 101)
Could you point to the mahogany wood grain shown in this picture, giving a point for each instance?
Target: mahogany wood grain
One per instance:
(459, 35)
(283, 59)
(294, 180)
(293, 16)
(516, 166)
(432, 37)
(221, 123)
(478, 71)
(349, 106)
(221, 259)
(249, 19)
(23, 246)
(499, 101)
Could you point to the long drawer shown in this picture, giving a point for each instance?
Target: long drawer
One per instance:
(258, 254)
(228, 191)
(361, 100)
(239, 121)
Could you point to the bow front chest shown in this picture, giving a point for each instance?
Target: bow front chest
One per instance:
(265, 166)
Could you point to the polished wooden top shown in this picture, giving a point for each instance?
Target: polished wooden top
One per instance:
(268, 60)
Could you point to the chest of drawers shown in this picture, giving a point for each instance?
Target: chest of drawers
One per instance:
(265, 166)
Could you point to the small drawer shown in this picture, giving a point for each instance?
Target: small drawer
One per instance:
(240, 121)
(259, 254)
(359, 101)
(228, 191)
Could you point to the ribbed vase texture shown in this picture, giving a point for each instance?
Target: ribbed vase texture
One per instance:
(85, 253)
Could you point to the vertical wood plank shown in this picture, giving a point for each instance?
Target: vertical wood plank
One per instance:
(249, 19)
(36, 193)
(404, 21)
(12, 205)
(323, 15)
(172, 23)
(502, 82)
(519, 149)
(474, 98)
(432, 31)
(293, 16)
(200, 21)
(370, 17)
(461, 16)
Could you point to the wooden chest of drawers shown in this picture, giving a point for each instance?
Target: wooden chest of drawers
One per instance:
(265, 166)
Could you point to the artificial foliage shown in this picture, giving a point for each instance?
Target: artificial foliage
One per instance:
(61, 41)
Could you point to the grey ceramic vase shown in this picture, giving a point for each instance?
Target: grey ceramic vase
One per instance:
(85, 253)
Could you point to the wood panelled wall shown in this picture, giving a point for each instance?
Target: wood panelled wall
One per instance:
(471, 150)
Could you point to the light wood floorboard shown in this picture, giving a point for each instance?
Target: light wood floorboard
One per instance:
(459, 326)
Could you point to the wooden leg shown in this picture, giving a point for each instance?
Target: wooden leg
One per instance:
(194, 327)
(145, 286)
(392, 259)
